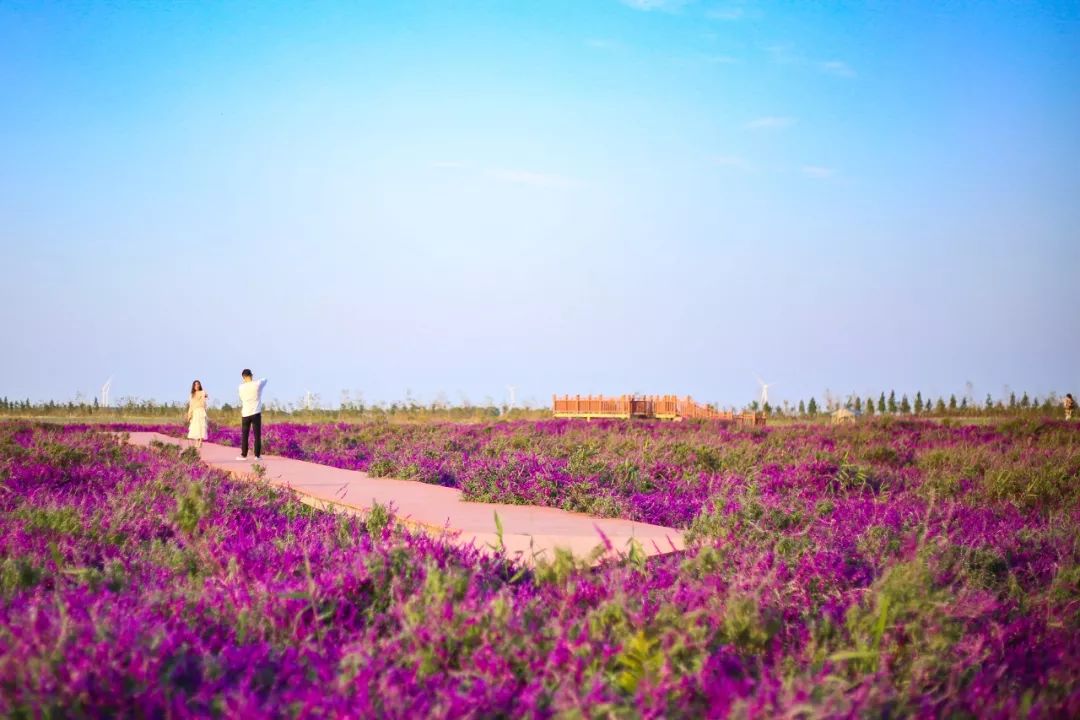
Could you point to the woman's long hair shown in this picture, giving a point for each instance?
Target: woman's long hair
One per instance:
(197, 385)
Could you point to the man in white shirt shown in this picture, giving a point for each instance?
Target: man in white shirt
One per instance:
(251, 413)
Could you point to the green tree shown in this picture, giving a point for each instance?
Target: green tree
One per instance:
(905, 406)
(811, 407)
(952, 402)
(1012, 401)
(1025, 401)
(892, 402)
(989, 404)
(869, 406)
(858, 404)
(940, 406)
(802, 408)
(918, 403)
(964, 405)
(881, 404)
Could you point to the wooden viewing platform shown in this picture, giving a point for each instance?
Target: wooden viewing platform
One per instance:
(661, 407)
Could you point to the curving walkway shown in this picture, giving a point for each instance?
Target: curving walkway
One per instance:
(528, 531)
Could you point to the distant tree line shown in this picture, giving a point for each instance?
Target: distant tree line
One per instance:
(927, 406)
(309, 409)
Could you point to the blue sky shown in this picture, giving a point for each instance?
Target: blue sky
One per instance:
(566, 196)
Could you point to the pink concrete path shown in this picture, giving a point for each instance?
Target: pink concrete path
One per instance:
(528, 531)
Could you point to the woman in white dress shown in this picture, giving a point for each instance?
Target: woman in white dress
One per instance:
(196, 414)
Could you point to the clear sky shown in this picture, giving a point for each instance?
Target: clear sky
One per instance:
(561, 195)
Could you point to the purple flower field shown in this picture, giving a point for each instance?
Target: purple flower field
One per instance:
(882, 569)
(667, 473)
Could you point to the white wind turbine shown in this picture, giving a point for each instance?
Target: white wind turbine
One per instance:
(511, 389)
(105, 392)
(764, 391)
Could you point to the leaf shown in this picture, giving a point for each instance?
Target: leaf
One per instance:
(297, 595)
(500, 546)
(879, 629)
(853, 655)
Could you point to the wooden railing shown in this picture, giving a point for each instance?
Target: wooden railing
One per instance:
(593, 406)
(665, 407)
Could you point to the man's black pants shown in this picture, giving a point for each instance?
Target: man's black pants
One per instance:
(246, 424)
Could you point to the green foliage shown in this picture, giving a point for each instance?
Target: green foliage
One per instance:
(388, 576)
(879, 543)
(113, 576)
(714, 522)
(382, 467)
(979, 567)
(851, 477)
(345, 531)
(377, 520)
(882, 455)
(707, 560)
(57, 520)
(191, 508)
(904, 622)
(641, 657)
(18, 573)
(746, 626)
(184, 560)
(1047, 485)
(1019, 427)
(584, 461)
(441, 591)
(559, 569)
(1065, 591)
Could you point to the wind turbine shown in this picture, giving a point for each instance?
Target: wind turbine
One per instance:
(105, 392)
(513, 400)
(764, 391)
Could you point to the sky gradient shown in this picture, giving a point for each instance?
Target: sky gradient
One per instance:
(565, 196)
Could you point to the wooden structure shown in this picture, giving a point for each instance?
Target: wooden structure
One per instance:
(662, 407)
(751, 419)
(843, 415)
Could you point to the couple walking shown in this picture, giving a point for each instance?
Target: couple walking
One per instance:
(251, 407)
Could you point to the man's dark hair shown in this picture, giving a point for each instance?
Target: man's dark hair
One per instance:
(246, 373)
